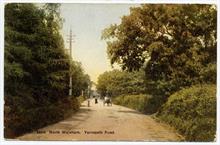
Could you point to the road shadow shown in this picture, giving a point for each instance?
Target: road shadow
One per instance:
(84, 110)
(131, 112)
(80, 116)
(114, 117)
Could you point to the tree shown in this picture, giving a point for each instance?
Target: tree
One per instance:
(115, 83)
(81, 81)
(36, 68)
(20, 34)
(174, 43)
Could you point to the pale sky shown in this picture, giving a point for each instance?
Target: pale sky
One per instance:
(87, 22)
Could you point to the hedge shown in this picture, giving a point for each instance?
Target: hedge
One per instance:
(143, 103)
(23, 121)
(192, 111)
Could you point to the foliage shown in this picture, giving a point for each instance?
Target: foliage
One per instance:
(81, 99)
(177, 48)
(26, 120)
(144, 103)
(174, 43)
(116, 82)
(36, 68)
(193, 112)
(81, 81)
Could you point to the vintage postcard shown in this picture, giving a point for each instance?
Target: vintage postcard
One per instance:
(110, 72)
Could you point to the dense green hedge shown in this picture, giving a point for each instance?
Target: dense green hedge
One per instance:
(131, 101)
(142, 103)
(192, 111)
(22, 121)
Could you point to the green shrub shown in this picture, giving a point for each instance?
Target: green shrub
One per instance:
(153, 104)
(136, 102)
(192, 111)
(22, 121)
(144, 103)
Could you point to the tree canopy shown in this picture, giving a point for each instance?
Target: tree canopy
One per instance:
(175, 43)
(116, 82)
(36, 68)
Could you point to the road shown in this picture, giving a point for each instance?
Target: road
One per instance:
(99, 122)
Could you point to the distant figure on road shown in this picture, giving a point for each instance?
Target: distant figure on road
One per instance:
(88, 102)
(107, 100)
(96, 100)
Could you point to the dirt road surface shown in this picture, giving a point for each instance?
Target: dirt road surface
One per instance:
(99, 122)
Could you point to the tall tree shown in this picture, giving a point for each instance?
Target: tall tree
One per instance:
(115, 83)
(36, 68)
(175, 43)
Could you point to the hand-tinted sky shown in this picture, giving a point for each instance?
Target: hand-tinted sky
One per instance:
(87, 22)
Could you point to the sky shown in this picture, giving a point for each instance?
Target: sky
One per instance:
(87, 22)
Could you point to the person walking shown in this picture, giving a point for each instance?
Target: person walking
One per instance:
(96, 100)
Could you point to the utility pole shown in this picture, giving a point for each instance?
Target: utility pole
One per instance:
(70, 40)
